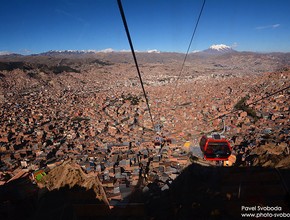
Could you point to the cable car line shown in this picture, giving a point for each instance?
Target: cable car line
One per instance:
(193, 34)
(236, 110)
(252, 103)
(134, 56)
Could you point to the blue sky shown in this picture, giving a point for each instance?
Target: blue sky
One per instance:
(35, 26)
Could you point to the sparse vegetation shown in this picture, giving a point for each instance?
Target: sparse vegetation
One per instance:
(102, 63)
(134, 99)
(9, 66)
(60, 69)
(241, 105)
(79, 119)
(33, 75)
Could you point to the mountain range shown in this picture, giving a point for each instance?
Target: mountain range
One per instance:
(215, 49)
(218, 56)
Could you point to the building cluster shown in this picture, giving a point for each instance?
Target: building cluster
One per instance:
(108, 130)
(129, 166)
(107, 135)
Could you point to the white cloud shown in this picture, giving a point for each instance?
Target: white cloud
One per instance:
(67, 14)
(275, 25)
(272, 26)
(234, 45)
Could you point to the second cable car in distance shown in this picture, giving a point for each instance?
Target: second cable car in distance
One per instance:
(215, 147)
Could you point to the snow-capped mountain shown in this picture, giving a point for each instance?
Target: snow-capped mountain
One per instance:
(2, 53)
(67, 52)
(107, 50)
(218, 49)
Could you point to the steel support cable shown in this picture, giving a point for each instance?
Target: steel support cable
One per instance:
(189, 46)
(236, 110)
(134, 56)
(252, 103)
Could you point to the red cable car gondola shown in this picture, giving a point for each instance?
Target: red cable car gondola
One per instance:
(215, 147)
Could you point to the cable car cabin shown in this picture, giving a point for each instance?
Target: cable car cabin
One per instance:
(215, 147)
(158, 141)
